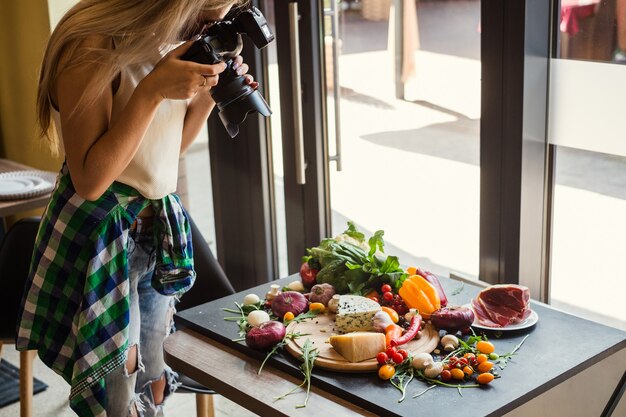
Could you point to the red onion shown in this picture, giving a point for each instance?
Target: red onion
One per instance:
(267, 335)
(291, 301)
(452, 318)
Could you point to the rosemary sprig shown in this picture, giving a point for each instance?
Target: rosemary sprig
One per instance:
(242, 312)
(301, 317)
(504, 359)
(309, 353)
(288, 337)
(458, 290)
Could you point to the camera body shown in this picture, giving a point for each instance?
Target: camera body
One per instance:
(222, 42)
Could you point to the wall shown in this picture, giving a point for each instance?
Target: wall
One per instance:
(24, 30)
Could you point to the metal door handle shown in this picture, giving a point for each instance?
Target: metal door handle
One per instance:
(296, 88)
(334, 14)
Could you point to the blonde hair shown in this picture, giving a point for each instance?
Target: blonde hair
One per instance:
(138, 29)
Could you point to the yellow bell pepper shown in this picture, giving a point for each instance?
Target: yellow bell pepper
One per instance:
(420, 294)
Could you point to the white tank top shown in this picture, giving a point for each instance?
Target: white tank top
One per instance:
(153, 171)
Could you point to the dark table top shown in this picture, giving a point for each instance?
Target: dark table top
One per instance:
(560, 345)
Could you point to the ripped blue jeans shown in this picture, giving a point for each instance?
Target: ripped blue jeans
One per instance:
(150, 322)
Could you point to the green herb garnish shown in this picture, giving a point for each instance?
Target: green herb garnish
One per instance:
(403, 376)
(309, 353)
(288, 337)
(503, 359)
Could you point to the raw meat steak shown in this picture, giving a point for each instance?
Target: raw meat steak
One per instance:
(502, 305)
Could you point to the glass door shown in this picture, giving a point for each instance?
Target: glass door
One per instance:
(383, 97)
(403, 113)
(586, 135)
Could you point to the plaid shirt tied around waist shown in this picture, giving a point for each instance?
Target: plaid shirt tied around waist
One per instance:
(75, 310)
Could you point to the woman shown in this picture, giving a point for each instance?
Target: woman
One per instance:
(114, 247)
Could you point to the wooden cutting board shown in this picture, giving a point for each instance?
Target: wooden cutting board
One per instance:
(322, 327)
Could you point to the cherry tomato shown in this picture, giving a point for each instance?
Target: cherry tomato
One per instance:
(374, 298)
(457, 374)
(317, 307)
(308, 275)
(385, 288)
(484, 378)
(404, 353)
(391, 350)
(485, 367)
(469, 356)
(481, 357)
(467, 370)
(446, 375)
(485, 347)
(288, 316)
(388, 296)
(397, 358)
(382, 358)
(386, 372)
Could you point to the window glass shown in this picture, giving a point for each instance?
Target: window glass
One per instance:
(589, 235)
(593, 30)
(410, 150)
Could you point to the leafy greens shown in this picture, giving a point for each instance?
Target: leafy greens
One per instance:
(352, 264)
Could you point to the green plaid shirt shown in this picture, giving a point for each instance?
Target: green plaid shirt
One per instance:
(75, 310)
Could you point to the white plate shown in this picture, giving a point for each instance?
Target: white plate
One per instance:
(529, 322)
(16, 185)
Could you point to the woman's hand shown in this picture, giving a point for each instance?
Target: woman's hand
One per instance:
(242, 69)
(173, 78)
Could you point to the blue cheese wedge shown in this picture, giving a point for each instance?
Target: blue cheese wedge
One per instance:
(355, 314)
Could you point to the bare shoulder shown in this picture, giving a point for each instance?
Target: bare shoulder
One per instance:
(80, 65)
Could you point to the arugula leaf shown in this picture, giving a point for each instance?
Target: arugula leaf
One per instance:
(352, 232)
(403, 376)
(349, 268)
(309, 354)
(376, 242)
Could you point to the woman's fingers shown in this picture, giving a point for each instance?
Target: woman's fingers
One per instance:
(250, 81)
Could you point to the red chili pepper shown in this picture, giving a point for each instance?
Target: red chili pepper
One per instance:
(410, 333)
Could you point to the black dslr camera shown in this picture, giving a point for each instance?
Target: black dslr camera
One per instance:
(222, 42)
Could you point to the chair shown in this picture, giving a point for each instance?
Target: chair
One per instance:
(15, 253)
(211, 284)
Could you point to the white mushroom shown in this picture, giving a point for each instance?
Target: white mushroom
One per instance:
(296, 286)
(273, 292)
(408, 316)
(422, 361)
(251, 299)
(256, 317)
(433, 370)
(333, 303)
(449, 342)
